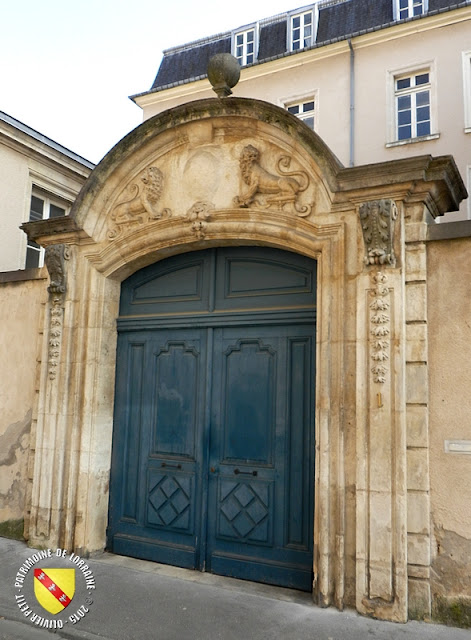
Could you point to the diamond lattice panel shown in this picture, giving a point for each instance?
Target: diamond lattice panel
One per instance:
(244, 511)
(169, 503)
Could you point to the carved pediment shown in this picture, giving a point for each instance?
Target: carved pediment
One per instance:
(192, 182)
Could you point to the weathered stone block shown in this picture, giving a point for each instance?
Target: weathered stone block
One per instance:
(417, 426)
(416, 302)
(418, 571)
(415, 232)
(416, 343)
(418, 512)
(416, 383)
(416, 262)
(418, 549)
(417, 469)
(419, 599)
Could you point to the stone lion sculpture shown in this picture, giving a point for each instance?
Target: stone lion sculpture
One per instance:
(277, 189)
(144, 200)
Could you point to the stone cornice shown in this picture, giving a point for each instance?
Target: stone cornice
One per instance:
(408, 179)
(54, 231)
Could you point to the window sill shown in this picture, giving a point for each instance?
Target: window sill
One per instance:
(399, 143)
(467, 129)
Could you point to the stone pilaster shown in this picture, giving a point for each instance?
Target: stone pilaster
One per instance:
(418, 484)
(381, 451)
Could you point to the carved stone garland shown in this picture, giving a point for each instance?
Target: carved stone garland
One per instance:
(377, 222)
(379, 327)
(55, 258)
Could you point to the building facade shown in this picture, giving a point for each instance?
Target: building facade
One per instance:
(40, 180)
(376, 79)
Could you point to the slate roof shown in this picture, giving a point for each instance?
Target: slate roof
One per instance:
(338, 20)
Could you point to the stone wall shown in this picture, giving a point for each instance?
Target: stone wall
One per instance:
(22, 298)
(449, 329)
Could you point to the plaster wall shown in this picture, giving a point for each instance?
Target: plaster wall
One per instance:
(13, 208)
(21, 315)
(449, 293)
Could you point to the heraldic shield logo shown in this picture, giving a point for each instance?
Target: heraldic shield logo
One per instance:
(54, 588)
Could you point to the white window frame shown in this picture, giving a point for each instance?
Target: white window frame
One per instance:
(49, 199)
(467, 90)
(410, 9)
(301, 100)
(392, 77)
(313, 9)
(243, 31)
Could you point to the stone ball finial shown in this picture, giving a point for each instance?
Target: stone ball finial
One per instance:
(223, 73)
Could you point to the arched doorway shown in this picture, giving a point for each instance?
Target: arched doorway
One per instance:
(213, 445)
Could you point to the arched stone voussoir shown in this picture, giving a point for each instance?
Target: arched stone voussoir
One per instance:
(205, 156)
(245, 227)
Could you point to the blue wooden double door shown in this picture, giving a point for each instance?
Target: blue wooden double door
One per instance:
(213, 445)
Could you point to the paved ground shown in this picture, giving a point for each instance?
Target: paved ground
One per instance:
(138, 600)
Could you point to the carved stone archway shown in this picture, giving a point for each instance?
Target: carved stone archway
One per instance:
(243, 172)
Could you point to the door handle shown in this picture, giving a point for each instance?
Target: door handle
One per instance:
(245, 473)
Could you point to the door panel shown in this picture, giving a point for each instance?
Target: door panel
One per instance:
(213, 447)
(161, 456)
(260, 489)
(260, 279)
(246, 419)
(175, 399)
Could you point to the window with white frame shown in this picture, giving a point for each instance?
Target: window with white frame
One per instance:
(301, 31)
(408, 8)
(42, 206)
(413, 105)
(304, 110)
(467, 90)
(245, 46)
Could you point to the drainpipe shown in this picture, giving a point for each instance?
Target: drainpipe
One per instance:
(352, 103)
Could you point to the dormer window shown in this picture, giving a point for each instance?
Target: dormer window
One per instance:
(409, 8)
(244, 46)
(301, 30)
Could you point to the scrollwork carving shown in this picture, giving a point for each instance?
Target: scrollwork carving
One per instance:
(268, 190)
(54, 258)
(377, 222)
(142, 206)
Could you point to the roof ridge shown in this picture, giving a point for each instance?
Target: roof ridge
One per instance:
(40, 137)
